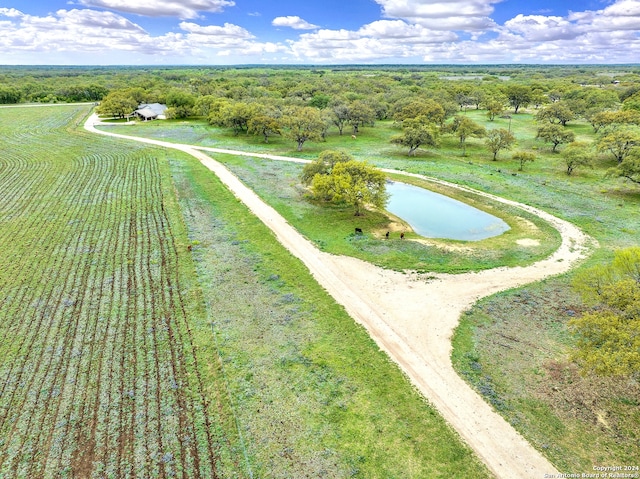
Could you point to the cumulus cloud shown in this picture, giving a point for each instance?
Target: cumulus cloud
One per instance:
(294, 22)
(424, 31)
(397, 30)
(623, 8)
(619, 16)
(227, 40)
(84, 31)
(469, 15)
(439, 31)
(600, 36)
(228, 30)
(375, 41)
(184, 9)
(541, 28)
(622, 15)
(10, 12)
(69, 30)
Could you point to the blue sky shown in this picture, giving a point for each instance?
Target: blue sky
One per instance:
(223, 32)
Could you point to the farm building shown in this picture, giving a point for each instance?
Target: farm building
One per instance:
(150, 111)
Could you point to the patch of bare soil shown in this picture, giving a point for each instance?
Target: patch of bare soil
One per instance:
(528, 242)
(588, 398)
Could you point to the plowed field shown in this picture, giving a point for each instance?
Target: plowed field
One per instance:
(98, 371)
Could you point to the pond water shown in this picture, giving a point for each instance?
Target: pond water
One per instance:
(433, 215)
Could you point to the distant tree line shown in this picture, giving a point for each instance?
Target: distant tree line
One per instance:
(424, 103)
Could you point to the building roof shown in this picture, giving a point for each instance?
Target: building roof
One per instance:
(157, 108)
(146, 113)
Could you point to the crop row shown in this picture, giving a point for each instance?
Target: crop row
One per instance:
(98, 372)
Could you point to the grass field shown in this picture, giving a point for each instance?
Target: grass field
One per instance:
(151, 327)
(512, 348)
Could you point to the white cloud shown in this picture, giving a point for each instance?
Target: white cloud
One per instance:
(294, 22)
(227, 40)
(228, 30)
(70, 30)
(469, 15)
(378, 40)
(10, 12)
(622, 15)
(184, 9)
(439, 31)
(603, 36)
(541, 28)
(397, 30)
(623, 8)
(85, 31)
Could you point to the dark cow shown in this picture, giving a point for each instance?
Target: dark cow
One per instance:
(358, 231)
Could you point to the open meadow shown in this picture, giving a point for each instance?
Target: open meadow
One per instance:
(152, 327)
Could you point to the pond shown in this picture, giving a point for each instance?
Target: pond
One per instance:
(433, 215)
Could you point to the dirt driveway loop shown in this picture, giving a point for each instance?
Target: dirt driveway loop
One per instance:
(413, 319)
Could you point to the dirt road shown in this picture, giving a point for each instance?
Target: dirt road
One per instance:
(413, 319)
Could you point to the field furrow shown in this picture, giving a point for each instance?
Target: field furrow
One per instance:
(98, 374)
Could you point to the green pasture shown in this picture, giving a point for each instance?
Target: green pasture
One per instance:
(513, 346)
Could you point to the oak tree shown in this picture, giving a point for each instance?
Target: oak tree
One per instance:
(416, 132)
(499, 139)
(355, 183)
(608, 338)
(555, 134)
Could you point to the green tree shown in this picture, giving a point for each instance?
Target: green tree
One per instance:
(519, 96)
(10, 95)
(555, 134)
(494, 108)
(619, 142)
(431, 110)
(264, 124)
(360, 113)
(477, 97)
(463, 127)
(320, 101)
(628, 168)
(303, 124)
(614, 119)
(139, 94)
(632, 103)
(339, 114)
(204, 104)
(233, 114)
(576, 155)
(118, 103)
(179, 104)
(608, 338)
(323, 165)
(538, 97)
(462, 99)
(355, 183)
(499, 139)
(523, 157)
(556, 112)
(416, 132)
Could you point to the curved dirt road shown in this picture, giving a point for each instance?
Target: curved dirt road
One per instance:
(413, 319)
